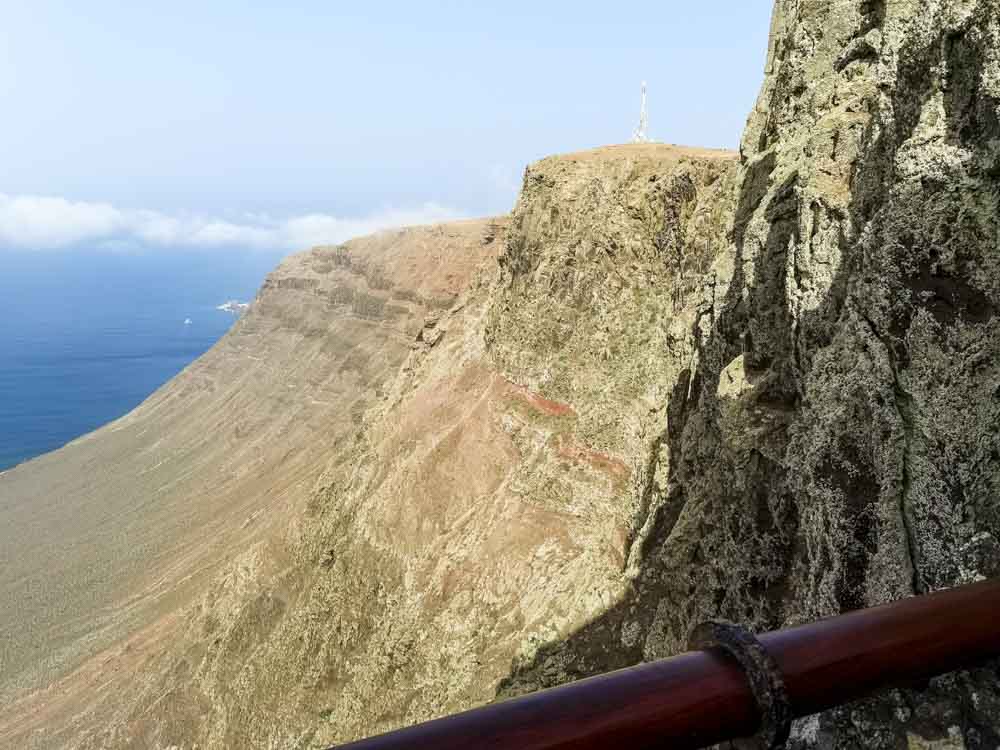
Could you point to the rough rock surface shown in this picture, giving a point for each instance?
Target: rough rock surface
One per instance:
(837, 443)
(489, 503)
(687, 387)
(472, 519)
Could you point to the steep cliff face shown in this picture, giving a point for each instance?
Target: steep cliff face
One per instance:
(608, 255)
(837, 444)
(490, 505)
(492, 500)
(675, 386)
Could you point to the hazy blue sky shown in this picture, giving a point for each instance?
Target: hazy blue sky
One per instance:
(202, 123)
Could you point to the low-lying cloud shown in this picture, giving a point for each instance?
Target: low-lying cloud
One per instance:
(44, 223)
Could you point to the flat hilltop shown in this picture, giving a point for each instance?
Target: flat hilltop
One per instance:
(656, 151)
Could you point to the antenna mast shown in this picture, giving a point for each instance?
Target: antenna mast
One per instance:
(640, 136)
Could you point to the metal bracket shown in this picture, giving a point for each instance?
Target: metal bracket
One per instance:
(762, 672)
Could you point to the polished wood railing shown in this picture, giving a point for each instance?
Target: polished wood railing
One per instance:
(704, 697)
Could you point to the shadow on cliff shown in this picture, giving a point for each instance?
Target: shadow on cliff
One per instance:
(739, 498)
(618, 637)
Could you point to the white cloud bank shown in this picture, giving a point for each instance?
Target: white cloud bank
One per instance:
(43, 223)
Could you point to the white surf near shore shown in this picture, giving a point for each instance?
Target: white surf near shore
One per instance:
(234, 306)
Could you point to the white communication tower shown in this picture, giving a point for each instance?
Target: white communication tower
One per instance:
(640, 135)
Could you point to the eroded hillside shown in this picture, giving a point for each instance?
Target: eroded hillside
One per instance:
(838, 444)
(676, 385)
(104, 542)
(489, 499)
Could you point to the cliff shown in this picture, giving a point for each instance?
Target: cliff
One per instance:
(483, 484)
(836, 443)
(674, 385)
(106, 541)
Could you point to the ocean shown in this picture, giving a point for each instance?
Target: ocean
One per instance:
(85, 337)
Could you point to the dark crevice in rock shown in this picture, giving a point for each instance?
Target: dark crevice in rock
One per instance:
(972, 114)
(949, 298)
(914, 271)
(755, 187)
(647, 499)
(872, 15)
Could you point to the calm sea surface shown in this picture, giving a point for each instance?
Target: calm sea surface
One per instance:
(86, 337)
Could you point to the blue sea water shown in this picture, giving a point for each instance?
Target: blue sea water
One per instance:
(85, 337)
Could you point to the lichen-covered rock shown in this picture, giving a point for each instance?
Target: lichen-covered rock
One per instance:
(609, 254)
(838, 446)
(686, 388)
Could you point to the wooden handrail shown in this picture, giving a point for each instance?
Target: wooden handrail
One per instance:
(701, 698)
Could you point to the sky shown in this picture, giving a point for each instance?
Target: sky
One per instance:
(276, 126)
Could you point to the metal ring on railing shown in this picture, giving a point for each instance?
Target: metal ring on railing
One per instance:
(763, 674)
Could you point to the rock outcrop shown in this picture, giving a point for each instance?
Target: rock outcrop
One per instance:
(836, 445)
(491, 497)
(674, 385)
